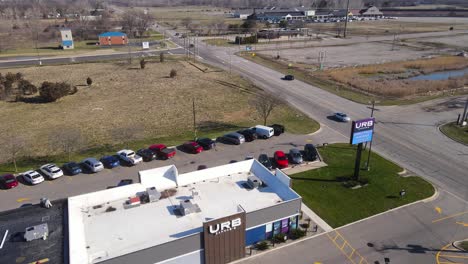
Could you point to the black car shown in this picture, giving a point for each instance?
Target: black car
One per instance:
(289, 77)
(279, 129)
(265, 161)
(206, 143)
(72, 168)
(248, 134)
(310, 152)
(125, 182)
(146, 154)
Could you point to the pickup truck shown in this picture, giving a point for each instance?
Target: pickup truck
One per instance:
(162, 151)
(129, 156)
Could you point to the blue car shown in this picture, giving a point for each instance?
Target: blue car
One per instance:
(110, 161)
(72, 168)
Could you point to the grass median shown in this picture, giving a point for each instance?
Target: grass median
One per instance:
(324, 192)
(455, 132)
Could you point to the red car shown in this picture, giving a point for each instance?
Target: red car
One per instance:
(8, 181)
(192, 147)
(281, 159)
(162, 151)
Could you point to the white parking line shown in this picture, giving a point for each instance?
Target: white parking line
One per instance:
(3, 240)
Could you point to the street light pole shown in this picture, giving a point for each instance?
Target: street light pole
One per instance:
(370, 144)
(346, 21)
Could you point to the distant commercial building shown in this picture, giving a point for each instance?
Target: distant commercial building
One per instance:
(276, 15)
(242, 13)
(113, 38)
(67, 39)
(207, 216)
(371, 11)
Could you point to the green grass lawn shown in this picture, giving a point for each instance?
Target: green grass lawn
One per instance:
(323, 190)
(218, 42)
(455, 132)
(294, 121)
(464, 245)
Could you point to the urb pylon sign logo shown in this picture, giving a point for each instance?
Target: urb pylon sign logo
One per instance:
(362, 131)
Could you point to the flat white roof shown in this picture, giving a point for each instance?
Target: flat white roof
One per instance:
(97, 235)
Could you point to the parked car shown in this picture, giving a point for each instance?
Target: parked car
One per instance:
(265, 161)
(163, 152)
(263, 131)
(296, 156)
(278, 129)
(289, 77)
(110, 161)
(146, 154)
(125, 182)
(129, 156)
(32, 177)
(192, 147)
(248, 134)
(206, 143)
(92, 165)
(232, 138)
(71, 168)
(281, 159)
(51, 171)
(8, 181)
(310, 152)
(342, 117)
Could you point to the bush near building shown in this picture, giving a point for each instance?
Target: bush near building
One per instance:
(51, 92)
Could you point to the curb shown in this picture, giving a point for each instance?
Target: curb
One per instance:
(402, 172)
(456, 140)
(455, 245)
(313, 133)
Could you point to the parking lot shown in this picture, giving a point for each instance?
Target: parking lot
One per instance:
(86, 182)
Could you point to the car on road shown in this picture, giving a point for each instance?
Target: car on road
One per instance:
(146, 154)
(277, 129)
(288, 77)
(265, 161)
(296, 156)
(72, 168)
(8, 181)
(192, 147)
(32, 177)
(128, 156)
(51, 171)
(248, 134)
(232, 138)
(342, 117)
(163, 152)
(125, 182)
(310, 152)
(92, 165)
(263, 131)
(206, 143)
(280, 159)
(110, 161)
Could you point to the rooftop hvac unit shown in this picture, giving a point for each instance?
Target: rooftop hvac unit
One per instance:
(153, 194)
(254, 182)
(187, 207)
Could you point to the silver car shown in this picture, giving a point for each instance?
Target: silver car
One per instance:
(342, 117)
(296, 156)
(93, 165)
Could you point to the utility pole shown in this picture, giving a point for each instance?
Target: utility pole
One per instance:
(346, 21)
(370, 144)
(194, 120)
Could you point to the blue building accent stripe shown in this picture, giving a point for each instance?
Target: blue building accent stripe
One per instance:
(113, 34)
(255, 235)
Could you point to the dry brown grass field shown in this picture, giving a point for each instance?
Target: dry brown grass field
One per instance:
(124, 95)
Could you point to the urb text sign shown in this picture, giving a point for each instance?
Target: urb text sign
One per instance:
(362, 131)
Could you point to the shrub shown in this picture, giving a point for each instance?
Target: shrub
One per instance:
(262, 245)
(173, 73)
(26, 87)
(142, 63)
(297, 233)
(50, 92)
(89, 81)
(161, 57)
(279, 238)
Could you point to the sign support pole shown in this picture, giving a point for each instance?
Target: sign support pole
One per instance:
(357, 164)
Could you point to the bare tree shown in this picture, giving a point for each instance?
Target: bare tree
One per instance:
(127, 133)
(14, 146)
(265, 103)
(68, 139)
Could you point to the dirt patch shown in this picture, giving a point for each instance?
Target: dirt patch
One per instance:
(124, 95)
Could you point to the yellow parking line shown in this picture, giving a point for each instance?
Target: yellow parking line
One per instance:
(454, 256)
(20, 200)
(450, 216)
(363, 260)
(445, 262)
(351, 255)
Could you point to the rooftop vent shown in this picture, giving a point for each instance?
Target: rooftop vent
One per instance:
(187, 207)
(254, 182)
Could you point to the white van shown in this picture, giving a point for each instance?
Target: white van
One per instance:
(263, 131)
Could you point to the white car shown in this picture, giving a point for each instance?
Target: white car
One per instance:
(51, 171)
(33, 177)
(92, 165)
(342, 117)
(129, 156)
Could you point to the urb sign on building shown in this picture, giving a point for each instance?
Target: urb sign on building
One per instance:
(225, 226)
(362, 131)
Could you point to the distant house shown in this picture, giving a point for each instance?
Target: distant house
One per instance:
(67, 39)
(113, 38)
(371, 11)
(276, 15)
(243, 13)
